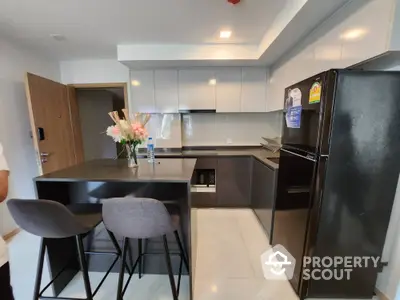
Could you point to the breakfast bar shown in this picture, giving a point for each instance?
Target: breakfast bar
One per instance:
(167, 180)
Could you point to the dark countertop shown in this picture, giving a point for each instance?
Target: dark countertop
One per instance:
(164, 170)
(259, 153)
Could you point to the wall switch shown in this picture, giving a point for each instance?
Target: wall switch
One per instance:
(229, 141)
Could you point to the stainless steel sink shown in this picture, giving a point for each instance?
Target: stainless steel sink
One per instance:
(274, 159)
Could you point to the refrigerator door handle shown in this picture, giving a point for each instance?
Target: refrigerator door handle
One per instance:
(293, 153)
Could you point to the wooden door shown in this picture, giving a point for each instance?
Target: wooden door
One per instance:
(55, 125)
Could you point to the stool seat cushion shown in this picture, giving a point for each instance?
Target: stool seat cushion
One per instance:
(137, 218)
(50, 219)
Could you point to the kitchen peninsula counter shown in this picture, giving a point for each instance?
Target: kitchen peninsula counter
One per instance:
(167, 180)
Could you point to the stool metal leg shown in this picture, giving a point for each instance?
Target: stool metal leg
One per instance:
(180, 275)
(140, 258)
(145, 246)
(84, 267)
(39, 272)
(114, 241)
(122, 269)
(117, 247)
(183, 252)
(169, 267)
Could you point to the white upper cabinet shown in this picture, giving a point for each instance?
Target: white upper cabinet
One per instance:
(196, 89)
(365, 34)
(228, 89)
(166, 91)
(142, 91)
(254, 87)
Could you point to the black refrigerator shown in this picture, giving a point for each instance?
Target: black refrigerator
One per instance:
(338, 173)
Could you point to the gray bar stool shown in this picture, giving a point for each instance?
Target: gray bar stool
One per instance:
(52, 220)
(142, 218)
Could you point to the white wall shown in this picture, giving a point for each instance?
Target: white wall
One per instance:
(240, 129)
(93, 71)
(94, 106)
(14, 120)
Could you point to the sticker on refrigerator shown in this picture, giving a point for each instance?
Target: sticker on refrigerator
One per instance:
(293, 117)
(294, 98)
(315, 93)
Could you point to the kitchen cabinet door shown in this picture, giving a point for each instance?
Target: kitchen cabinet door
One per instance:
(228, 89)
(234, 181)
(142, 91)
(254, 90)
(263, 193)
(196, 89)
(166, 91)
(365, 35)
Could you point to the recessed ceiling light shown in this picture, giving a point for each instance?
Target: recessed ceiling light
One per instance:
(58, 37)
(353, 34)
(135, 83)
(225, 34)
(212, 81)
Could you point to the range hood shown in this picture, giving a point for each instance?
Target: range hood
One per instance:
(197, 111)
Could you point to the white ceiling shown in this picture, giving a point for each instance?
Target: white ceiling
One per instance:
(94, 28)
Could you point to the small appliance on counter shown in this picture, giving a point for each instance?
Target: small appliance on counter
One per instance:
(338, 173)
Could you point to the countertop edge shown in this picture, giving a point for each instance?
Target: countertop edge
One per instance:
(220, 153)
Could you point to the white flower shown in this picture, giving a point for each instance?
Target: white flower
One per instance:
(115, 133)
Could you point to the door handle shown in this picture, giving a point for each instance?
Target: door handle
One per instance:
(295, 154)
(44, 157)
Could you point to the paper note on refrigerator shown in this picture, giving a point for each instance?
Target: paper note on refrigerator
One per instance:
(293, 117)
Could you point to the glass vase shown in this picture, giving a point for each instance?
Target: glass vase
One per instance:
(132, 154)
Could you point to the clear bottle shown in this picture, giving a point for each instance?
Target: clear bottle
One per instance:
(150, 150)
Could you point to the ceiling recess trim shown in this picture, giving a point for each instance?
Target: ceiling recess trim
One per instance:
(293, 23)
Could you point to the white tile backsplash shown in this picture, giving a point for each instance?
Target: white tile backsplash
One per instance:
(236, 129)
(220, 129)
(165, 129)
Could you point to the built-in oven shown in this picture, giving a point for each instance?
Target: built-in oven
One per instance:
(203, 181)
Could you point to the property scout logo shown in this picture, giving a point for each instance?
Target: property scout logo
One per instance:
(279, 264)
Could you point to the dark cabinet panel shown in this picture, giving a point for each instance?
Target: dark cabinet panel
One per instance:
(234, 181)
(263, 193)
(204, 200)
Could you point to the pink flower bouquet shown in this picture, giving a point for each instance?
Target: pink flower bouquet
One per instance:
(130, 133)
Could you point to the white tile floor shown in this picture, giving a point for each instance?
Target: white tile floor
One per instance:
(229, 245)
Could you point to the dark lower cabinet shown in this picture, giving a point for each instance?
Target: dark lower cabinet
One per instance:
(234, 181)
(263, 193)
(204, 200)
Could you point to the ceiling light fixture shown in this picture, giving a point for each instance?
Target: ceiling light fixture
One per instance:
(135, 83)
(212, 81)
(353, 34)
(225, 34)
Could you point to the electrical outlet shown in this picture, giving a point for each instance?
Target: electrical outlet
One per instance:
(229, 141)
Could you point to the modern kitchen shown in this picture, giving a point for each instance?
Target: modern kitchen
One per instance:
(253, 155)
